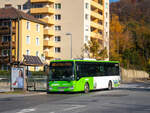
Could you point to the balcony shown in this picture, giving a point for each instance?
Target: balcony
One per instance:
(96, 15)
(49, 32)
(96, 35)
(48, 43)
(44, 10)
(97, 5)
(49, 55)
(4, 30)
(96, 25)
(6, 59)
(14, 30)
(50, 21)
(6, 45)
(42, 1)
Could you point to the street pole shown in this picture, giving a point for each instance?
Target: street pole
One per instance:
(69, 34)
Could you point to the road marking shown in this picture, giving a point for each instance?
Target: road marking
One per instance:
(74, 107)
(26, 110)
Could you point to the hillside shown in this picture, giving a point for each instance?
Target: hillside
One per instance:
(130, 24)
(137, 10)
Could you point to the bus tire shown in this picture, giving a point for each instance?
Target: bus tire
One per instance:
(86, 88)
(110, 85)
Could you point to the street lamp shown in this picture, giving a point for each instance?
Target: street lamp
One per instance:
(69, 34)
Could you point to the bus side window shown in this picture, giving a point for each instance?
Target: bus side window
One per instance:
(101, 70)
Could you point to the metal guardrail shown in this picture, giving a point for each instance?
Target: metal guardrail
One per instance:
(36, 83)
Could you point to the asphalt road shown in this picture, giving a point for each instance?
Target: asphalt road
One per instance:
(129, 98)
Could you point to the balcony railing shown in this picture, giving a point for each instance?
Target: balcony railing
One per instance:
(6, 45)
(96, 35)
(97, 5)
(49, 55)
(4, 30)
(96, 25)
(48, 20)
(96, 15)
(42, 1)
(44, 10)
(49, 32)
(6, 59)
(48, 43)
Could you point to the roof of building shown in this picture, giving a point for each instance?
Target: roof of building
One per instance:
(32, 61)
(13, 13)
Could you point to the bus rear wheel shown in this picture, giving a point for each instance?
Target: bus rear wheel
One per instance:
(86, 88)
(110, 85)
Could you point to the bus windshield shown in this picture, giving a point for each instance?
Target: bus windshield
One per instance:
(61, 71)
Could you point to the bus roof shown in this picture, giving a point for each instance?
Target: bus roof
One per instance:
(84, 61)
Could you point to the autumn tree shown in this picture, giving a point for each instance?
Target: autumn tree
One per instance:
(120, 41)
(94, 49)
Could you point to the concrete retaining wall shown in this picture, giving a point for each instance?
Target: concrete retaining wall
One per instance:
(133, 75)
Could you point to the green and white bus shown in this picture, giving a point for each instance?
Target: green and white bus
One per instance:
(82, 75)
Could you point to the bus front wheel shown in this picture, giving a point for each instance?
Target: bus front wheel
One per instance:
(110, 85)
(86, 88)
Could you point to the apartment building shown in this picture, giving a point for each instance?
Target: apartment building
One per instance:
(71, 24)
(23, 5)
(44, 11)
(20, 34)
(83, 20)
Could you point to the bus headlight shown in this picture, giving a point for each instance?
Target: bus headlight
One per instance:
(50, 88)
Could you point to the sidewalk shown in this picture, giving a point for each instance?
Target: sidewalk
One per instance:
(4, 90)
(6, 93)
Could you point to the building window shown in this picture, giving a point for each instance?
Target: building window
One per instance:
(5, 52)
(57, 50)
(39, 5)
(57, 6)
(28, 52)
(86, 28)
(6, 38)
(38, 27)
(100, 12)
(37, 53)
(100, 32)
(5, 23)
(5, 67)
(58, 17)
(19, 7)
(57, 28)
(106, 24)
(25, 7)
(106, 34)
(27, 39)
(100, 22)
(38, 16)
(37, 41)
(86, 16)
(36, 68)
(28, 25)
(106, 14)
(87, 5)
(86, 38)
(106, 5)
(57, 39)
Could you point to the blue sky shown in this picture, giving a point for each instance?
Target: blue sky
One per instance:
(113, 0)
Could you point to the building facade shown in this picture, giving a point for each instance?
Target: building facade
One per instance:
(20, 34)
(23, 5)
(83, 20)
